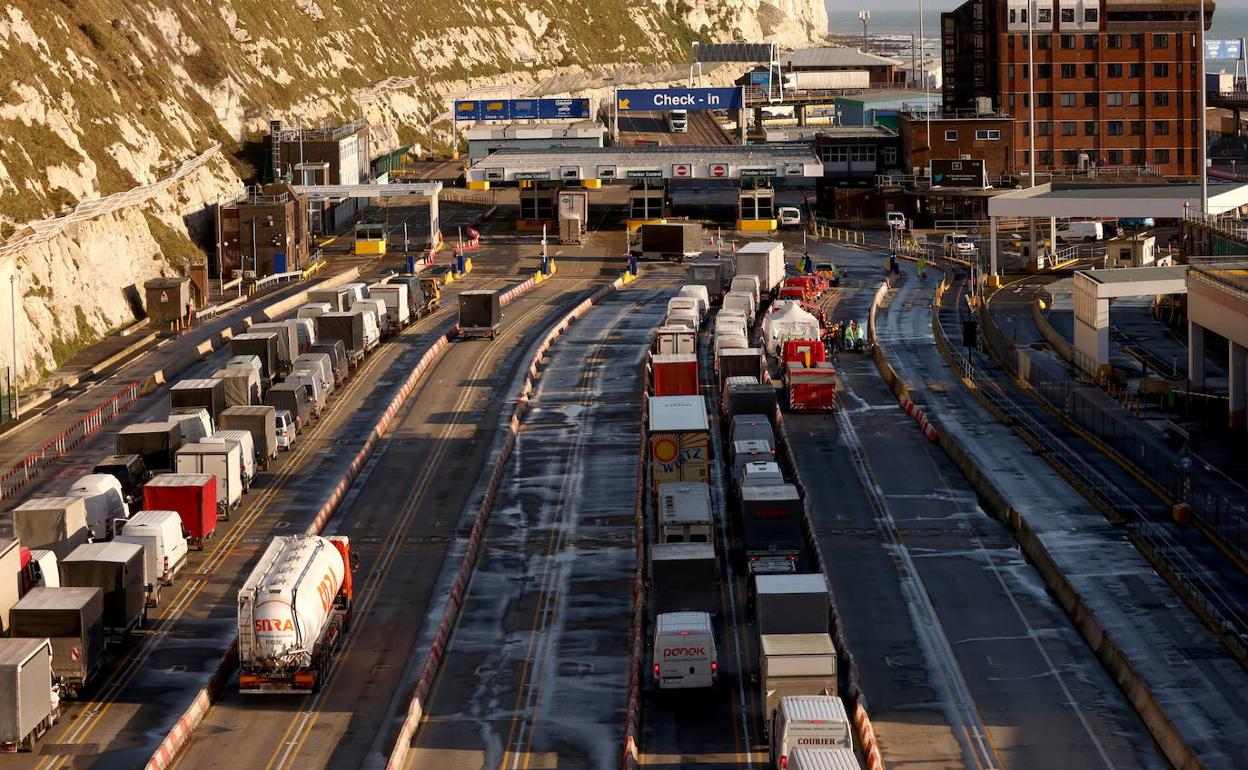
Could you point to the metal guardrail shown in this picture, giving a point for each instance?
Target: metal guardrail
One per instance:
(821, 229)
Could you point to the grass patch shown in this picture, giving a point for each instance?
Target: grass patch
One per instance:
(175, 247)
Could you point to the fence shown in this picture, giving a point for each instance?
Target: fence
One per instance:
(822, 229)
(34, 464)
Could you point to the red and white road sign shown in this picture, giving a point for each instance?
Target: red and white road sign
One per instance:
(680, 169)
(719, 170)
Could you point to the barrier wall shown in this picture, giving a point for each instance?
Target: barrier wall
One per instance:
(182, 730)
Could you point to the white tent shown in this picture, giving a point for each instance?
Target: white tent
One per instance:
(787, 321)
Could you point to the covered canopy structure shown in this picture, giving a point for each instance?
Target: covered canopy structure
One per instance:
(787, 321)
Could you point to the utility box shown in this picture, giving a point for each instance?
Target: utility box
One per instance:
(167, 299)
(1131, 251)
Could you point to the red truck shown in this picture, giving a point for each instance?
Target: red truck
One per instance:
(811, 388)
(804, 352)
(674, 374)
(192, 495)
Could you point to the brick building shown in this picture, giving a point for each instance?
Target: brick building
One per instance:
(958, 135)
(1115, 82)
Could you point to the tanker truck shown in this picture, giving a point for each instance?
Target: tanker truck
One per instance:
(293, 613)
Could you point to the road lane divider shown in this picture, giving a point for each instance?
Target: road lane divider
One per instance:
(178, 736)
(450, 614)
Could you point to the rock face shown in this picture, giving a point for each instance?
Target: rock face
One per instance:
(104, 96)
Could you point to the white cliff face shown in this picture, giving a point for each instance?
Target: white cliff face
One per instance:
(105, 96)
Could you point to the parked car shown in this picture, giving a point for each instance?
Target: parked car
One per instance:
(1136, 223)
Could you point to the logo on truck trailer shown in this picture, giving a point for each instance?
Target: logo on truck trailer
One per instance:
(274, 625)
(684, 652)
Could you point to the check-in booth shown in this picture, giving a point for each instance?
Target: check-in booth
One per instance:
(647, 204)
(756, 209)
(539, 201)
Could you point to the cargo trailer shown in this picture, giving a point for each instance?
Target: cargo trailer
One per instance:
(684, 577)
(791, 604)
(117, 569)
(58, 524)
(29, 704)
(685, 514)
(261, 422)
(193, 496)
(204, 393)
(772, 529)
(674, 374)
(764, 260)
(261, 345)
(679, 439)
(347, 328)
(224, 462)
(155, 442)
(242, 387)
(480, 313)
(72, 619)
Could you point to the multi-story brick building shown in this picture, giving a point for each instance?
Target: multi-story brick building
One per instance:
(1115, 81)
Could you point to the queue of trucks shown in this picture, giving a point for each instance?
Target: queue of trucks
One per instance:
(797, 680)
(87, 565)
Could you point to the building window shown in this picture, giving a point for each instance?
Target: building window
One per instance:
(1068, 71)
(1089, 70)
(1069, 128)
(1137, 128)
(1044, 128)
(1044, 15)
(1115, 157)
(1009, 71)
(1044, 71)
(835, 154)
(1161, 99)
(1161, 70)
(862, 153)
(1068, 41)
(1027, 100)
(1113, 41)
(1135, 41)
(988, 134)
(1113, 99)
(1161, 128)
(1091, 15)
(1068, 15)
(890, 155)
(1044, 100)
(1113, 70)
(1070, 157)
(1044, 42)
(1010, 101)
(1135, 98)
(1089, 128)
(1089, 42)
(1161, 156)
(1013, 16)
(951, 135)
(1045, 157)
(1161, 41)
(1089, 98)
(1068, 100)
(1135, 70)
(1026, 129)
(1009, 42)
(1114, 128)
(1137, 157)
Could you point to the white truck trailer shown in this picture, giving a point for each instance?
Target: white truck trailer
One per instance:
(29, 703)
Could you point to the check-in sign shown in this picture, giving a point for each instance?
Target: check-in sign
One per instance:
(668, 99)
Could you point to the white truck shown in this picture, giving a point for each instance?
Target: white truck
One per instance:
(684, 651)
(685, 514)
(764, 259)
(398, 304)
(225, 462)
(808, 722)
(29, 702)
(163, 530)
(102, 496)
(293, 612)
(246, 449)
(794, 664)
(823, 759)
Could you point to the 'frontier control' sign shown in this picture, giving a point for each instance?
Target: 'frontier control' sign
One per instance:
(669, 99)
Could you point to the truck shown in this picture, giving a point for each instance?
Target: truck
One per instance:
(827, 80)
(261, 422)
(103, 497)
(195, 422)
(293, 612)
(246, 449)
(117, 569)
(193, 496)
(791, 604)
(287, 343)
(669, 240)
(812, 389)
(262, 345)
(394, 297)
(163, 529)
(338, 298)
(674, 374)
(32, 704)
(771, 529)
(242, 386)
(372, 326)
(765, 260)
(72, 619)
(749, 398)
(58, 524)
(794, 664)
(685, 514)
(198, 392)
(679, 440)
(129, 470)
(347, 328)
(685, 577)
(305, 332)
(740, 362)
(321, 365)
(709, 275)
(684, 651)
(675, 340)
(823, 759)
(155, 442)
(337, 353)
(480, 313)
(678, 121)
(424, 295)
(224, 462)
(294, 398)
(11, 585)
(803, 722)
(382, 316)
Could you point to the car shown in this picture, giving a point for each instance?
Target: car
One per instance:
(827, 269)
(789, 216)
(1136, 223)
(959, 245)
(896, 220)
(285, 429)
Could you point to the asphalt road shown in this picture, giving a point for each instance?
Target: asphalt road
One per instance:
(536, 671)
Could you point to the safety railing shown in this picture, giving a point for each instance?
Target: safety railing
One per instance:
(34, 464)
(820, 228)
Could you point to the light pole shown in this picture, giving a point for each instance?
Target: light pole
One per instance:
(14, 279)
(1031, 94)
(865, 18)
(1204, 137)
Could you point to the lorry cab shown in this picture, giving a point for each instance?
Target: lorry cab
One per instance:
(39, 569)
(678, 121)
(808, 722)
(129, 471)
(684, 651)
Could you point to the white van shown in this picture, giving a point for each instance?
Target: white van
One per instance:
(314, 309)
(355, 292)
(102, 495)
(808, 722)
(728, 340)
(164, 530)
(683, 316)
(305, 332)
(747, 283)
(316, 387)
(698, 292)
(372, 332)
(195, 422)
(823, 759)
(321, 365)
(1080, 232)
(285, 429)
(684, 651)
(246, 448)
(789, 216)
(740, 300)
(687, 303)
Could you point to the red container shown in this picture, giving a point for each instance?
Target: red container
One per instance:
(804, 352)
(812, 389)
(192, 495)
(674, 374)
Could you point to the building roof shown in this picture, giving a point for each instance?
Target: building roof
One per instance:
(836, 57)
(1170, 201)
(808, 133)
(1137, 274)
(871, 95)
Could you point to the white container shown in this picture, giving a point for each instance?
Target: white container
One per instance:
(686, 317)
(764, 259)
(743, 301)
(675, 340)
(28, 704)
(102, 495)
(698, 292)
(246, 448)
(394, 296)
(224, 461)
(685, 514)
(684, 651)
(765, 474)
(163, 530)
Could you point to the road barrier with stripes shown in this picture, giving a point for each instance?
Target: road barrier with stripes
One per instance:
(57, 447)
(175, 740)
(637, 643)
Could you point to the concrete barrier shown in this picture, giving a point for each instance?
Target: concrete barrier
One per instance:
(182, 730)
(1060, 344)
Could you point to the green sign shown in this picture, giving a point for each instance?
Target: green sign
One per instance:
(644, 173)
(748, 172)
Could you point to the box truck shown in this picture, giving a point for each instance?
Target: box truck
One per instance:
(242, 386)
(709, 275)
(117, 569)
(808, 721)
(397, 303)
(794, 664)
(675, 340)
(29, 703)
(261, 345)
(480, 313)
(155, 442)
(193, 496)
(225, 463)
(198, 392)
(684, 577)
(58, 524)
(764, 260)
(791, 604)
(293, 612)
(674, 374)
(287, 342)
(685, 514)
(679, 442)
(669, 240)
(261, 422)
(72, 619)
(164, 530)
(771, 529)
(347, 328)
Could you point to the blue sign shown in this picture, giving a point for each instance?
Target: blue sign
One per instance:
(525, 109)
(496, 109)
(1224, 49)
(760, 79)
(564, 109)
(669, 99)
(467, 110)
